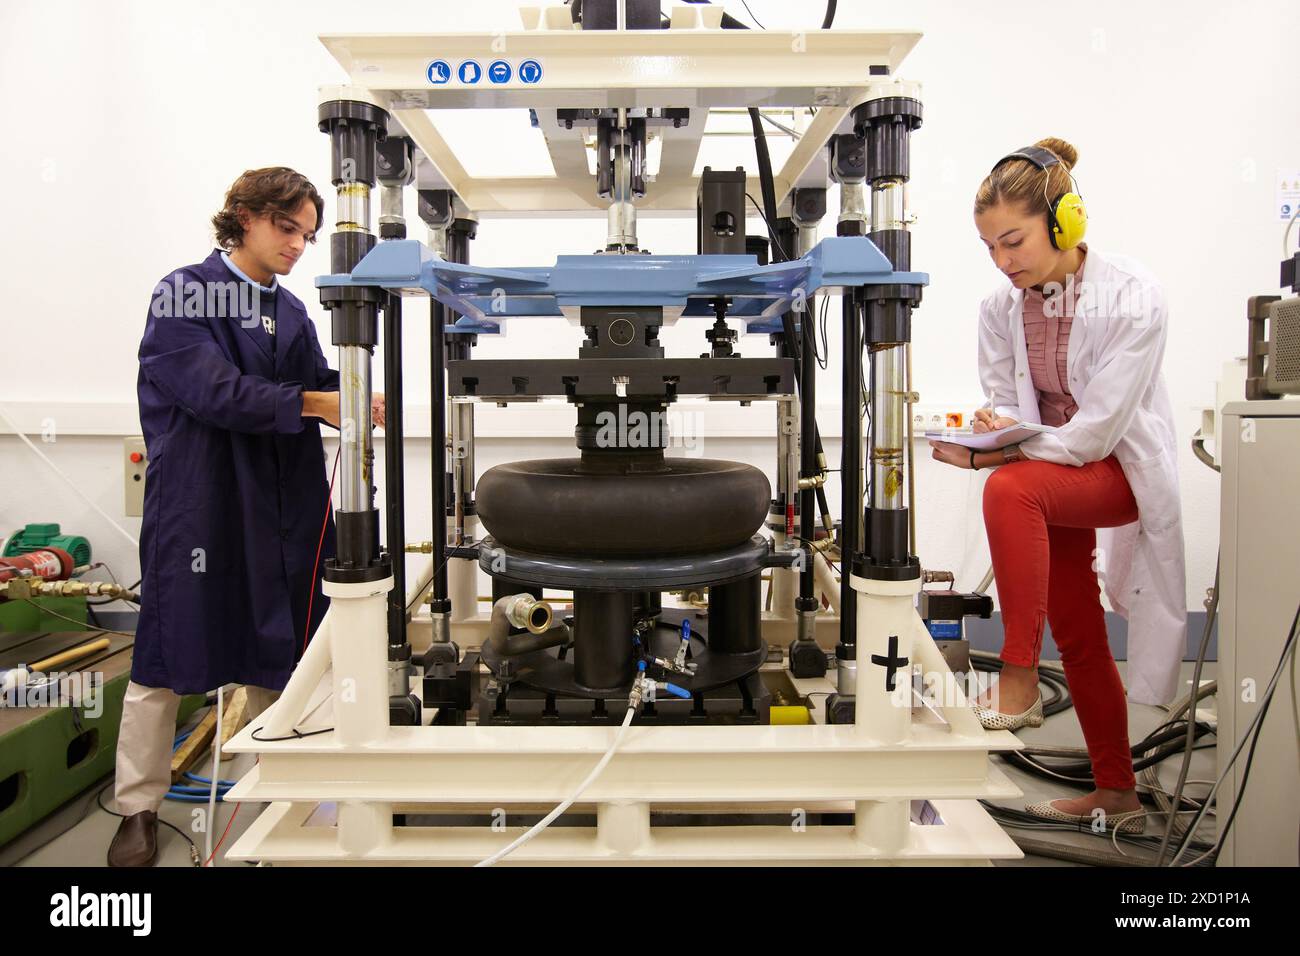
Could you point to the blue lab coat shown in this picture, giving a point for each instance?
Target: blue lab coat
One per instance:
(235, 487)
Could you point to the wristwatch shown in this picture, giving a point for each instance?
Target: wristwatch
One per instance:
(1011, 453)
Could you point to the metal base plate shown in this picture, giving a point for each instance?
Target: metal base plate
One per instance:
(542, 689)
(624, 574)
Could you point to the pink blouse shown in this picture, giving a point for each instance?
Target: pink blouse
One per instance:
(1047, 338)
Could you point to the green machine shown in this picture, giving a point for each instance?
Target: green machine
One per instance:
(57, 737)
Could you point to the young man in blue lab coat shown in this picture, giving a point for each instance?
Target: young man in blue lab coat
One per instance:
(237, 524)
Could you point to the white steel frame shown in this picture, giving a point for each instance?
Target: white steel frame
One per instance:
(332, 795)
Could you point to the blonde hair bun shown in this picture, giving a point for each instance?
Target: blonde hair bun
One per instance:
(1068, 155)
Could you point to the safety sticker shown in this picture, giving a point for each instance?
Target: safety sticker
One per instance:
(441, 72)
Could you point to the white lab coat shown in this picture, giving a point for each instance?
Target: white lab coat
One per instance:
(1117, 341)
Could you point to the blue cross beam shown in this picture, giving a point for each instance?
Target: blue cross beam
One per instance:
(485, 295)
(891, 662)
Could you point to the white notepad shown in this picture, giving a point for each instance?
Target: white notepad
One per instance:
(988, 441)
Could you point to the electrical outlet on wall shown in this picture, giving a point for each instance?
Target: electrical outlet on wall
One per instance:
(932, 417)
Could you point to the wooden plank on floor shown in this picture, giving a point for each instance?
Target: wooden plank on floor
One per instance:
(233, 718)
(198, 741)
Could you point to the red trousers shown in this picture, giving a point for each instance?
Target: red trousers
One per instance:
(1041, 520)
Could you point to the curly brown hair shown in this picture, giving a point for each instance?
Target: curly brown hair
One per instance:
(275, 189)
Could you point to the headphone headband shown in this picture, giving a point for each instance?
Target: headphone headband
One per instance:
(1066, 217)
(1040, 157)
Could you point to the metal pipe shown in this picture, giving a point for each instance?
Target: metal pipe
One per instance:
(853, 202)
(352, 207)
(887, 427)
(622, 213)
(909, 453)
(888, 205)
(354, 432)
(462, 453)
(526, 612)
(390, 206)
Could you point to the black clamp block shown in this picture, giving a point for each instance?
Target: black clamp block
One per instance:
(404, 711)
(807, 659)
(451, 685)
(435, 206)
(1291, 273)
(840, 709)
(935, 605)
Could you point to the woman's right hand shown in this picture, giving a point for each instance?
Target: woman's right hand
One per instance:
(985, 421)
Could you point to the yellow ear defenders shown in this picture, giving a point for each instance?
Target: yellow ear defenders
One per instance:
(1067, 219)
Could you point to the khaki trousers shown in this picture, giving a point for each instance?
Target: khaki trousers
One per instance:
(144, 743)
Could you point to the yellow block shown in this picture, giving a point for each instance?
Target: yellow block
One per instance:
(791, 715)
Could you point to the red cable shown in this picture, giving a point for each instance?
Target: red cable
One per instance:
(320, 544)
(329, 506)
(223, 835)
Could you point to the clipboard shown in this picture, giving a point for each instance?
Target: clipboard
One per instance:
(990, 441)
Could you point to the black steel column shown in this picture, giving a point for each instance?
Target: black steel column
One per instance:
(602, 638)
(354, 129)
(438, 453)
(394, 468)
(887, 124)
(735, 616)
(850, 464)
(808, 455)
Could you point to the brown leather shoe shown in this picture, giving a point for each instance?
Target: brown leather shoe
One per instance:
(136, 842)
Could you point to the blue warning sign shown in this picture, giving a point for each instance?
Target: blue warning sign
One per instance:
(530, 71)
(439, 71)
(469, 71)
(499, 71)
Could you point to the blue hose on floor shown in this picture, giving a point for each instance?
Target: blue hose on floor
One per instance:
(183, 794)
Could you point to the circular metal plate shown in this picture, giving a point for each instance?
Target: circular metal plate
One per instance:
(624, 574)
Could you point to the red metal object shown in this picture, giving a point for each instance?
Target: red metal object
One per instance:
(52, 564)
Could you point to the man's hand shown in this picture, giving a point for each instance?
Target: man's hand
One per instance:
(378, 409)
(986, 421)
(322, 405)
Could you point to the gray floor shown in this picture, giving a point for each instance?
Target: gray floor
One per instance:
(1063, 730)
(80, 832)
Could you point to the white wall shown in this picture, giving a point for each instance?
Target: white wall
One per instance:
(125, 123)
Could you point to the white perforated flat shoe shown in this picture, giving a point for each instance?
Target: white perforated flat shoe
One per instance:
(996, 720)
(1130, 821)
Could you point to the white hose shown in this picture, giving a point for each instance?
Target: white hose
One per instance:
(212, 793)
(547, 820)
(826, 580)
(71, 484)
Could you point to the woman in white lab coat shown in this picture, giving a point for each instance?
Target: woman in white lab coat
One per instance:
(1075, 339)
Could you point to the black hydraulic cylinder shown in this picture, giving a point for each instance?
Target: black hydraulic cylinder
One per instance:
(438, 449)
(394, 468)
(602, 638)
(735, 616)
(808, 449)
(850, 464)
